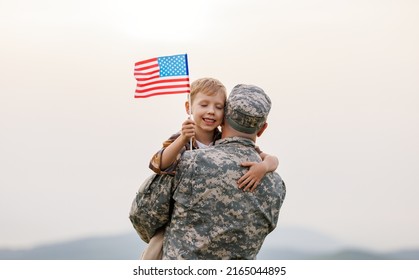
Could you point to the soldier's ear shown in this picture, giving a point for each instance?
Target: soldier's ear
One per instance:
(262, 129)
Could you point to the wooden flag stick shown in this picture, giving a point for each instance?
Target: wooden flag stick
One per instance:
(189, 97)
(190, 116)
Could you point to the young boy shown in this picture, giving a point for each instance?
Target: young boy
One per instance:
(208, 97)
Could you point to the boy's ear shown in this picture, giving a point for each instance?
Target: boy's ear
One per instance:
(187, 107)
(262, 129)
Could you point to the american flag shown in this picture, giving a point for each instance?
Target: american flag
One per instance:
(162, 75)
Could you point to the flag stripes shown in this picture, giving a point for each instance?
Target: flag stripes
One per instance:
(162, 75)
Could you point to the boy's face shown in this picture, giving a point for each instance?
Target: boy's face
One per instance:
(208, 110)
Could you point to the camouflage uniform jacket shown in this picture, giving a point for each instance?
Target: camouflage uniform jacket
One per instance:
(214, 219)
(156, 159)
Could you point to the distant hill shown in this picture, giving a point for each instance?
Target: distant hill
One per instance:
(117, 247)
(282, 244)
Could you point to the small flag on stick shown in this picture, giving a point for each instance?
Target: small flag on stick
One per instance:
(162, 75)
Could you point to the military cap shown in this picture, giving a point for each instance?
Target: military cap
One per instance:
(247, 108)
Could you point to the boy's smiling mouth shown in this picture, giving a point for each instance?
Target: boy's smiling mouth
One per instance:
(208, 120)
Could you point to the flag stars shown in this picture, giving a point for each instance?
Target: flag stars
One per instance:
(173, 65)
(162, 75)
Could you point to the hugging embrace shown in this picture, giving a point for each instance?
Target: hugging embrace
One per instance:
(220, 198)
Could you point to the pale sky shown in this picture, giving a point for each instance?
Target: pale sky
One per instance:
(342, 75)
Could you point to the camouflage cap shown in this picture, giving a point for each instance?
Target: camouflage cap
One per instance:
(247, 108)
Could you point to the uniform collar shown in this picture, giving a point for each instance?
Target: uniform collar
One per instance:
(236, 139)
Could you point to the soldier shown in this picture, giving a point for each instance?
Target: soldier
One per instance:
(212, 218)
(208, 97)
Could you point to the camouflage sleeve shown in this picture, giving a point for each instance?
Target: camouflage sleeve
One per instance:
(184, 178)
(280, 193)
(156, 159)
(152, 206)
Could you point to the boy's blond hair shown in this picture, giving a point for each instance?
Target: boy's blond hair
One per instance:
(208, 86)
